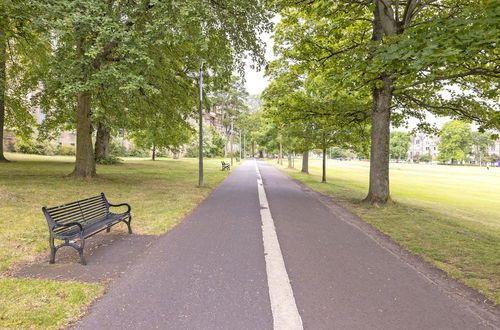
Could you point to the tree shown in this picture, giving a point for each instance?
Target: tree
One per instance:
(455, 140)
(400, 143)
(23, 54)
(402, 53)
(481, 141)
(114, 44)
(301, 107)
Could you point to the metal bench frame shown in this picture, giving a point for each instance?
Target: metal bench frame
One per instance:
(80, 220)
(225, 166)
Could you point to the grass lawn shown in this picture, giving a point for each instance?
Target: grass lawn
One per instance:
(450, 215)
(160, 193)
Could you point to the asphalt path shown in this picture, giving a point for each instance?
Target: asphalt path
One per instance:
(212, 271)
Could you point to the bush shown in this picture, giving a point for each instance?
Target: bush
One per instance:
(65, 151)
(31, 147)
(425, 158)
(110, 160)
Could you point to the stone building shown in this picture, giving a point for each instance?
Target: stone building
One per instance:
(422, 144)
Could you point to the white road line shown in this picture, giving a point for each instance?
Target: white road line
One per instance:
(285, 313)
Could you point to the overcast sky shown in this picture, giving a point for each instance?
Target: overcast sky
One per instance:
(255, 81)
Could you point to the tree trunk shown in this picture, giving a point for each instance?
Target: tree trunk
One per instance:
(253, 149)
(85, 160)
(3, 85)
(153, 154)
(384, 23)
(305, 162)
(102, 139)
(323, 178)
(378, 193)
(289, 157)
(280, 156)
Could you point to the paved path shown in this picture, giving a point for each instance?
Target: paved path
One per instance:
(216, 270)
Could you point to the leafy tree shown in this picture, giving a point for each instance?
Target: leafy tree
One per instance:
(23, 57)
(400, 143)
(162, 133)
(481, 141)
(113, 45)
(455, 140)
(403, 53)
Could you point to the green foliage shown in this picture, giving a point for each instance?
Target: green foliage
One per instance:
(29, 146)
(425, 158)
(110, 160)
(480, 144)
(455, 141)
(27, 50)
(400, 143)
(213, 143)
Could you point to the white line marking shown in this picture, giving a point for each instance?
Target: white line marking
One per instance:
(285, 313)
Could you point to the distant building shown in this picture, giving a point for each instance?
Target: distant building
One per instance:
(494, 149)
(422, 144)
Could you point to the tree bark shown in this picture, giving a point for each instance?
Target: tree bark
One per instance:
(384, 23)
(323, 177)
(305, 162)
(280, 156)
(153, 154)
(253, 149)
(85, 160)
(3, 88)
(103, 137)
(378, 192)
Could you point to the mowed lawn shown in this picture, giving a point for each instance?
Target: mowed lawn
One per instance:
(450, 215)
(160, 192)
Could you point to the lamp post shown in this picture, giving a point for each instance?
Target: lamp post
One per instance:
(231, 140)
(200, 131)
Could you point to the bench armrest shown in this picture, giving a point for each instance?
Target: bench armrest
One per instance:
(70, 224)
(123, 204)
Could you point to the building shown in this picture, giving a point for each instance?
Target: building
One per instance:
(422, 144)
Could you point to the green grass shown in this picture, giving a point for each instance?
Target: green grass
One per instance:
(161, 193)
(450, 215)
(42, 304)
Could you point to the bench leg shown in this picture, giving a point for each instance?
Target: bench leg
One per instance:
(80, 250)
(128, 224)
(52, 251)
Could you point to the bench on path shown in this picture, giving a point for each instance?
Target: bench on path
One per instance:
(225, 166)
(80, 220)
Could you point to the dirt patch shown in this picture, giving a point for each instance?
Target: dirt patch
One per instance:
(108, 256)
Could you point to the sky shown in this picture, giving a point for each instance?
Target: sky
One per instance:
(255, 80)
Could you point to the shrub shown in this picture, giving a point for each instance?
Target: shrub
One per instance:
(110, 160)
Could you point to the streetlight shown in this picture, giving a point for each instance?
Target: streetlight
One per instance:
(200, 130)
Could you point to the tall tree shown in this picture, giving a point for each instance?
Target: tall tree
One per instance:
(23, 54)
(455, 140)
(110, 43)
(402, 53)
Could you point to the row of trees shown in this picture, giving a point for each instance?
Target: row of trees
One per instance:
(348, 70)
(100, 66)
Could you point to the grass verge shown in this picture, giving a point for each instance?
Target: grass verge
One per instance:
(160, 192)
(42, 304)
(468, 250)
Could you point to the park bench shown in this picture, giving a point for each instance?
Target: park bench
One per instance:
(225, 166)
(80, 220)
